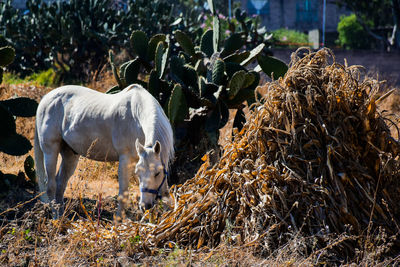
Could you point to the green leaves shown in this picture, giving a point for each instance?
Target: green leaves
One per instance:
(130, 71)
(239, 80)
(206, 43)
(233, 43)
(113, 90)
(20, 106)
(176, 66)
(114, 69)
(272, 66)
(154, 85)
(253, 55)
(237, 57)
(185, 42)
(160, 59)
(7, 55)
(240, 15)
(139, 41)
(153, 44)
(218, 72)
(11, 142)
(7, 122)
(15, 145)
(177, 106)
(216, 33)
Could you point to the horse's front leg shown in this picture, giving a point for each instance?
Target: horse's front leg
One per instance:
(124, 172)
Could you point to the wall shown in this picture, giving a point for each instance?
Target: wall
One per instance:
(292, 14)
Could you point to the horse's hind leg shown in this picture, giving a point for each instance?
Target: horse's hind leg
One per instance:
(50, 155)
(69, 161)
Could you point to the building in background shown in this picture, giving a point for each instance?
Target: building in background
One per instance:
(301, 15)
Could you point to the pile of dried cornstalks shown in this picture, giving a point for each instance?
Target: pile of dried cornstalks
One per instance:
(316, 156)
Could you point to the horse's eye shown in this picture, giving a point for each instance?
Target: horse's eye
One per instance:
(158, 173)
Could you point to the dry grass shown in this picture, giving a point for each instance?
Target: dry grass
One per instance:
(259, 205)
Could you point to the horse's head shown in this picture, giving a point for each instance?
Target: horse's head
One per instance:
(152, 174)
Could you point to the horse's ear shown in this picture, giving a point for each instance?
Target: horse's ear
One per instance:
(157, 147)
(139, 147)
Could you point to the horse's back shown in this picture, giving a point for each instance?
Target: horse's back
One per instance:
(84, 119)
(101, 124)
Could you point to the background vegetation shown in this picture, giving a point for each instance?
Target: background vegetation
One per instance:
(352, 35)
(379, 18)
(289, 38)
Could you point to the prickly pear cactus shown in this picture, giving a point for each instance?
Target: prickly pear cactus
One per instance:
(10, 142)
(139, 43)
(7, 55)
(199, 81)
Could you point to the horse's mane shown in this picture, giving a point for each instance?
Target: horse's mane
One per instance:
(155, 124)
(163, 133)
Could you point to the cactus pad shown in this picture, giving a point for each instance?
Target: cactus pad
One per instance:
(272, 66)
(7, 55)
(153, 43)
(218, 72)
(20, 106)
(185, 42)
(206, 43)
(177, 107)
(139, 43)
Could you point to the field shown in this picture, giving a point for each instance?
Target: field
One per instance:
(88, 234)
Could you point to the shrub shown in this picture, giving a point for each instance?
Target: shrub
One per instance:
(44, 78)
(289, 38)
(74, 36)
(351, 33)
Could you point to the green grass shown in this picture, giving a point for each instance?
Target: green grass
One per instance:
(289, 38)
(44, 78)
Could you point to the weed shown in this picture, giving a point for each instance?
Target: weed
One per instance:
(43, 78)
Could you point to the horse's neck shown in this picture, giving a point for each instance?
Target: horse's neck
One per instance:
(148, 122)
(152, 133)
(154, 128)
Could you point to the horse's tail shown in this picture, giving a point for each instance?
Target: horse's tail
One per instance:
(39, 166)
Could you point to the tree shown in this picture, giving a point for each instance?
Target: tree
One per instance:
(379, 13)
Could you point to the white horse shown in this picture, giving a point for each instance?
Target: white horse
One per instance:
(75, 120)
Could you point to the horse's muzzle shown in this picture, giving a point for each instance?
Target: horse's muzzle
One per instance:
(145, 206)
